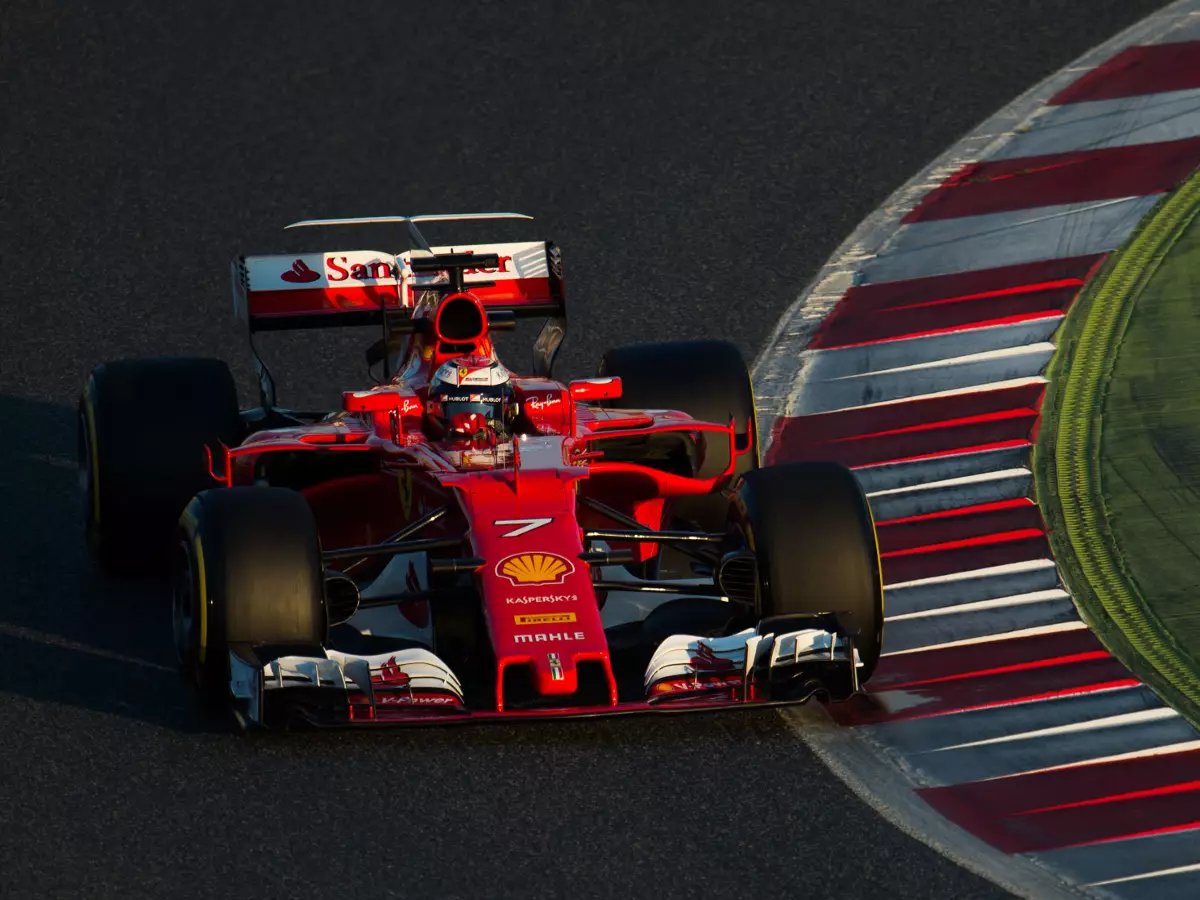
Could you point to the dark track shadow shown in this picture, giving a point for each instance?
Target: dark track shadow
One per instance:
(68, 634)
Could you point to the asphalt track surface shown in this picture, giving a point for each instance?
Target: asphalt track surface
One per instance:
(697, 162)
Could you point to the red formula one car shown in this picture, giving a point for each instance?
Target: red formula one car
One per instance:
(460, 543)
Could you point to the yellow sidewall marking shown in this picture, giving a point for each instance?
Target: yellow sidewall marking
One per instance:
(202, 595)
(191, 525)
(878, 563)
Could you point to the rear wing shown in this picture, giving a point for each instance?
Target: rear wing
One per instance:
(357, 287)
(370, 287)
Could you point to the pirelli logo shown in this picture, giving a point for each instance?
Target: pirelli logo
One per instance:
(545, 618)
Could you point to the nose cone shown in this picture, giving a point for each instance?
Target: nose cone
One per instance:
(538, 599)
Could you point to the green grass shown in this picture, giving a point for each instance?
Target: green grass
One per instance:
(1116, 478)
(1150, 446)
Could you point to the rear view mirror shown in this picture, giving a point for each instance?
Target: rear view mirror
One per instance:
(341, 598)
(605, 388)
(384, 400)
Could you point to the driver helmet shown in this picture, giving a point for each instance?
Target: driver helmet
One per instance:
(470, 399)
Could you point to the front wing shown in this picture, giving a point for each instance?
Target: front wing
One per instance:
(414, 686)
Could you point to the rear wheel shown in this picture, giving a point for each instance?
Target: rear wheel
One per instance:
(709, 381)
(143, 427)
(247, 573)
(811, 530)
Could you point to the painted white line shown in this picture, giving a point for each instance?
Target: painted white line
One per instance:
(1127, 121)
(945, 767)
(970, 587)
(1030, 736)
(896, 475)
(983, 605)
(952, 581)
(954, 493)
(976, 373)
(1175, 871)
(990, 623)
(971, 243)
(1165, 750)
(1007, 485)
(932, 395)
(1018, 472)
(908, 368)
(1073, 625)
(1003, 722)
(1114, 860)
(842, 361)
(1134, 718)
(1181, 886)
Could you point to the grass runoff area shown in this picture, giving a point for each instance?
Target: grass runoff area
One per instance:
(1118, 455)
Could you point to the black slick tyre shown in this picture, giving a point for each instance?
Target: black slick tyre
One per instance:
(143, 427)
(811, 529)
(247, 573)
(709, 381)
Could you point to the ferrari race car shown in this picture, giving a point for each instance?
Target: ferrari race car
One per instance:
(462, 543)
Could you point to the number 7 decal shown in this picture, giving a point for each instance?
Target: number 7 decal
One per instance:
(527, 525)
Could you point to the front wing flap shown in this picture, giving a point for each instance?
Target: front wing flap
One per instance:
(415, 686)
(750, 667)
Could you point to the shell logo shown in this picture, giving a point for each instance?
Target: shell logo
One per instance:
(535, 568)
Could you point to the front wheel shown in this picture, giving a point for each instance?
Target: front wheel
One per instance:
(813, 536)
(247, 574)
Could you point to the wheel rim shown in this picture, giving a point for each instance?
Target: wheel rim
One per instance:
(183, 606)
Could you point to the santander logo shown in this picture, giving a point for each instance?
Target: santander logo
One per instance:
(299, 273)
(340, 269)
